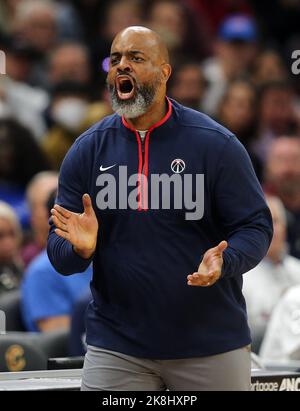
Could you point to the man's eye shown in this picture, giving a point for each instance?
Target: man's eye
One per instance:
(137, 59)
(114, 61)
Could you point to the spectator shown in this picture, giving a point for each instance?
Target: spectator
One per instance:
(71, 113)
(269, 67)
(20, 159)
(282, 337)
(235, 51)
(175, 22)
(69, 62)
(36, 23)
(20, 58)
(10, 241)
(48, 297)
(37, 193)
(276, 115)
(187, 85)
(266, 283)
(237, 112)
(282, 178)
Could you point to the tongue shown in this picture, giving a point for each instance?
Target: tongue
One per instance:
(125, 95)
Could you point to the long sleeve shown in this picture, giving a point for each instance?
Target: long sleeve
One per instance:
(242, 211)
(71, 187)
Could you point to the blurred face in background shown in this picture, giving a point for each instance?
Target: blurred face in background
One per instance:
(69, 112)
(276, 110)
(167, 19)
(236, 57)
(283, 170)
(120, 15)
(69, 62)
(237, 110)
(38, 194)
(37, 26)
(269, 67)
(9, 240)
(188, 86)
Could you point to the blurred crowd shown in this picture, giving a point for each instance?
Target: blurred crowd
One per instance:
(231, 59)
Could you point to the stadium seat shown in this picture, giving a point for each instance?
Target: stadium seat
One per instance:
(23, 351)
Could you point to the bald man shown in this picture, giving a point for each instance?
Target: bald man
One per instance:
(166, 204)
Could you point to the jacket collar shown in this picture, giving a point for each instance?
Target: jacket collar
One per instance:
(158, 124)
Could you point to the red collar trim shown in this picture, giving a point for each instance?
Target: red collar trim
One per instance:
(159, 123)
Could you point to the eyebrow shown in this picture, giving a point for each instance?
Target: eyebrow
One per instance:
(117, 53)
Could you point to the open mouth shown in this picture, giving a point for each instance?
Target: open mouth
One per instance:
(125, 87)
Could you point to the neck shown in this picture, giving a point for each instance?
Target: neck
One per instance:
(156, 112)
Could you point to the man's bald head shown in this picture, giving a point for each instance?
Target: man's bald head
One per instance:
(149, 39)
(138, 72)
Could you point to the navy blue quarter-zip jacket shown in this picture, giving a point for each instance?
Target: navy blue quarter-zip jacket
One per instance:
(142, 305)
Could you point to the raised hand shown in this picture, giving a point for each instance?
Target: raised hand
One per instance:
(80, 229)
(210, 268)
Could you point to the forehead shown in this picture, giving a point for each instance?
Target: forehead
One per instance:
(137, 41)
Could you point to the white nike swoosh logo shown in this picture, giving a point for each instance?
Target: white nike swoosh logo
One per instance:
(106, 168)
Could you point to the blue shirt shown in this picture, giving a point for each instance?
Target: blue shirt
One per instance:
(45, 293)
(142, 304)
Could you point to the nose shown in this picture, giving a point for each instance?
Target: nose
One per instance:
(124, 65)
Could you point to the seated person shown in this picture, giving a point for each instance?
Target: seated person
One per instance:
(37, 193)
(265, 284)
(282, 338)
(10, 240)
(47, 296)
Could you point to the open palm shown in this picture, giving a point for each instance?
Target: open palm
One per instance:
(78, 228)
(210, 268)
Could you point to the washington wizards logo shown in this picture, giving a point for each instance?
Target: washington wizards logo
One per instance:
(177, 165)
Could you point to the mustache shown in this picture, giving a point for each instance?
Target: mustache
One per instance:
(112, 84)
(124, 73)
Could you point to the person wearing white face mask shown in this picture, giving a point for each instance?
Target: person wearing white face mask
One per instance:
(70, 113)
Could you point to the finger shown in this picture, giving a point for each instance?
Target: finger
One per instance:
(200, 279)
(62, 234)
(87, 204)
(201, 276)
(218, 250)
(222, 246)
(66, 213)
(59, 224)
(200, 283)
(59, 216)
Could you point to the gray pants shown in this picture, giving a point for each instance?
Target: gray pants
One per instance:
(106, 370)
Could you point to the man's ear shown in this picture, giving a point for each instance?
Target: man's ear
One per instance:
(166, 71)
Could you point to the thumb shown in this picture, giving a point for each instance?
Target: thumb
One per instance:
(222, 246)
(87, 204)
